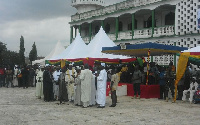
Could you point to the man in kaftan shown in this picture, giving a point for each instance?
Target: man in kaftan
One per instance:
(93, 92)
(15, 80)
(77, 99)
(70, 79)
(62, 87)
(86, 80)
(39, 84)
(47, 85)
(56, 75)
(101, 87)
(193, 88)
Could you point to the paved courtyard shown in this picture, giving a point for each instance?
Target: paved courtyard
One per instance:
(20, 107)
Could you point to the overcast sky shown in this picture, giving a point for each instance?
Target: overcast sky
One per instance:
(41, 21)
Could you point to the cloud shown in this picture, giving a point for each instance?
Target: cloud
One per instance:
(41, 21)
(34, 9)
(45, 33)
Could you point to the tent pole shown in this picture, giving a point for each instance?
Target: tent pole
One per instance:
(147, 79)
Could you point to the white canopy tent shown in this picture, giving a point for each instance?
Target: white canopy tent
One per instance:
(195, 49)
(56, 51)
(101, 40)
(77, 49)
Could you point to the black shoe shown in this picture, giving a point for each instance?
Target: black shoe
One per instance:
(100, 106)
(112, 105)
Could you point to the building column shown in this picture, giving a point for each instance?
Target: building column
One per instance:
(90, 31)
(116, 27)
(71, 34)
(133, 24)
(102, 24)
(175, 21)
(151, 58)
(153, 22)
(175, 56)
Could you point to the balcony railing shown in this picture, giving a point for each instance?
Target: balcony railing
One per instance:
(125, 35)
(112, 8)
(143, 33)
(138, 33)
(163, 31)
(112, 36)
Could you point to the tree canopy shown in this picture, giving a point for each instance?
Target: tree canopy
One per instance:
(8, 57)
(21, 51)
(33, 53)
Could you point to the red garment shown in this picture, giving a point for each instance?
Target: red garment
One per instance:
(2, 71)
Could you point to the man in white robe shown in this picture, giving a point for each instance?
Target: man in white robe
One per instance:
(56, 75)
(93, 92)
(70, 79)
(77, 99)
(39, 84)
(193, 88)
(86, 80)
(15, 80)
(101, 87)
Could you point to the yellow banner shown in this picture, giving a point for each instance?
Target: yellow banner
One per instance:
(181, 67)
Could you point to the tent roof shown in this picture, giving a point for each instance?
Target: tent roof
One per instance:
(195, 49)
(142, 49)
(75, 50)
(101, 40)
(56, 51)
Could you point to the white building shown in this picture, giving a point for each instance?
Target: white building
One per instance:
(172, 22)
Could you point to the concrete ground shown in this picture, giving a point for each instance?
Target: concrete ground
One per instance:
(20, 107)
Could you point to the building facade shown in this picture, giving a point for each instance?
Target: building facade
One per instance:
(171, 22)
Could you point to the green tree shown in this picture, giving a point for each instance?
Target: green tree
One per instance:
(2, 50)
(8, 57)
(21, 51)
(33, 53)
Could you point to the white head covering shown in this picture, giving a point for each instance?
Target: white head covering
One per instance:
(46, 65)
(103, 64)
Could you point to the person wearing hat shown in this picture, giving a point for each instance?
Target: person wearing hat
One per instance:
(62, 86)
(193, 88)
(39, 84)
(77, 99)
(101, 87)
(47, 85)
(56, 75)
(70, 79)
(113, 87)
(86, 81)
(15, 80)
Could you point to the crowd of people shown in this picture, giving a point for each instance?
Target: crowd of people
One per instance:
(19, 76)
(86, 86)
(78, 85)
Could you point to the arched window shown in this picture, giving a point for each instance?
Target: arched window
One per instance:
(107, 28)
(170, 18)
(148, 23)
(130, 25)
(120, 26)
